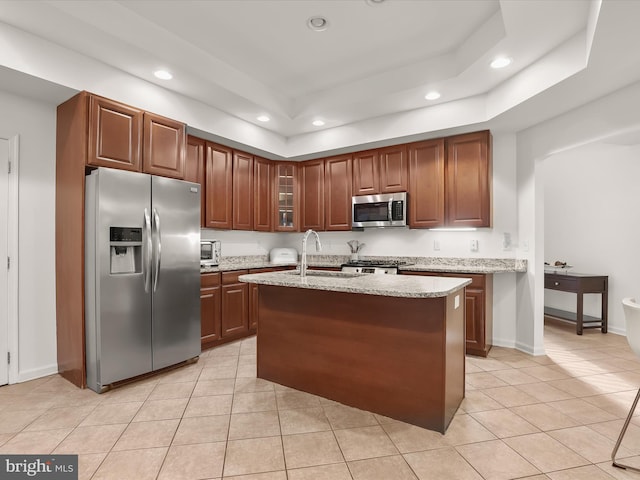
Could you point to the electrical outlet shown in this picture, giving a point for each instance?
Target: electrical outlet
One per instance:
(436, 244)
(474, 245)
(506, 241)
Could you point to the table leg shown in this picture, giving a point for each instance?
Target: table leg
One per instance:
(579, 313)
(605, 311)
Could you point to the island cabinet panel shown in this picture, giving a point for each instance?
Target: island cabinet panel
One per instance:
(115, 134)
(468, 176)
(210, 309)
(478, 311)
(366, 178)
(218, 187)
(337, 183)
(394, 169)
(194, 170)
(242, 191)
(426, 187)
(164, 144)
(312, 195)
(235, 305)
(253, 296)
(263, 194)
(357, 350)
(286, 197)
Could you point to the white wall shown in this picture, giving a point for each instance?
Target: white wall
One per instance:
(592, 221)
(34, 122)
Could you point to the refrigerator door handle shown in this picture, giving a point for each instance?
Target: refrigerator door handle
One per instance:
(148, 246)
(158, 255)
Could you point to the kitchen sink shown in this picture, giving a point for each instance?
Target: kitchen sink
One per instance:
(326, 273)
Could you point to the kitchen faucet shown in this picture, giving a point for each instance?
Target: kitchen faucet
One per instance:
(303, 262)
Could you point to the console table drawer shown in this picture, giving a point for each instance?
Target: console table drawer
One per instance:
(564, 284)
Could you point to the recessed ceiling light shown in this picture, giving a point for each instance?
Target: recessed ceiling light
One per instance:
(318, 123)
(373, 3)
(263, 118)
(318, 23)
(500, 62)
(163, 75)
(432, 95)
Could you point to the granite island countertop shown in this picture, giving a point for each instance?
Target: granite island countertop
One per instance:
(407, 286)
(418, 264)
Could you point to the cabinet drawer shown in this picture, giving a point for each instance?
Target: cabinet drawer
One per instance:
(558, 283)
(209, 280)
(232, 277)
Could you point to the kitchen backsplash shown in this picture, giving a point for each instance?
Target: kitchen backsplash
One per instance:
(379, 242)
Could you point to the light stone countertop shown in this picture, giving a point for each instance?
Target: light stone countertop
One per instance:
(407, 286)
(419, 264)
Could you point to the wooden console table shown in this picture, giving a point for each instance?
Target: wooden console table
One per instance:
(579, 283)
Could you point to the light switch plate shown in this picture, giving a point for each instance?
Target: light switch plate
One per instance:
(474, 245)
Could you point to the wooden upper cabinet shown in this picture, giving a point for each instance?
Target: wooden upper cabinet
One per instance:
(285, 196)
(218, 186)
(384, 170)
(194, 170)
(312, 195)
(242, 191)
(164, 142)
(468, 176)
(263, 195)
(393, 168)
(337, 184)
(366, 178)
(427, 185)
(115, 135)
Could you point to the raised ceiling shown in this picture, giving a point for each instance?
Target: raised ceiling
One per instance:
(258, 57)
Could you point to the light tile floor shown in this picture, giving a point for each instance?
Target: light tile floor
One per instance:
(551, 417)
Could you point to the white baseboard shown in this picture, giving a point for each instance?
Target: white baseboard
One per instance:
(617, 330)
(26, 375)
(499, 342)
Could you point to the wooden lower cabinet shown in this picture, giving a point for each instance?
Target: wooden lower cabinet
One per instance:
(228, 307)
(478, 310)
(210, 312)
(235, 305)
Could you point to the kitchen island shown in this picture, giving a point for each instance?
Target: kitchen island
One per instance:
(390, 344)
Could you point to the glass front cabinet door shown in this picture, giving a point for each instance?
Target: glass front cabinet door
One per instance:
(286, 197)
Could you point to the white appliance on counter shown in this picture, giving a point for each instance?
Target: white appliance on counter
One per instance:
(283, 256)
(142, 281)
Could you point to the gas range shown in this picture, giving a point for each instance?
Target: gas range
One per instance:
(373, 266)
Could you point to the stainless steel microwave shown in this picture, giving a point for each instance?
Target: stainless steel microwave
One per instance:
(384, 210)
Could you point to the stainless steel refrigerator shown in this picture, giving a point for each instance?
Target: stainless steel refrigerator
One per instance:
(142, 278)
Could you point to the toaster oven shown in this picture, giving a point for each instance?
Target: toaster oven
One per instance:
(210, 253)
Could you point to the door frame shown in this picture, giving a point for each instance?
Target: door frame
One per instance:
(12, 250)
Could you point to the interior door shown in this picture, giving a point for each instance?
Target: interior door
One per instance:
(4, 253)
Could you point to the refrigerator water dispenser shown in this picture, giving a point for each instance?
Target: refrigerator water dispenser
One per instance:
(126, 250)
